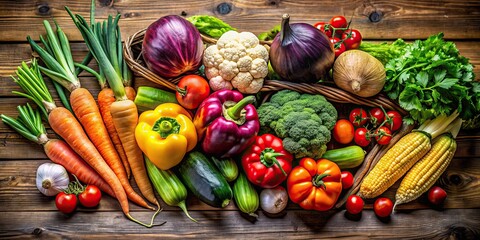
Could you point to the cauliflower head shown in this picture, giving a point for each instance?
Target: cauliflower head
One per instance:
(236, 61)
(303, 121)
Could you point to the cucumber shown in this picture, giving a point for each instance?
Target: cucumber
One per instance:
(168, 186)
(204, 180)
(245, 195)
(227, 167)
(347, 157)
(148, 98)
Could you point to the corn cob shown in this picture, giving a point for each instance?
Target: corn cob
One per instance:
(426, 172)
(403, 155)
(395, 163)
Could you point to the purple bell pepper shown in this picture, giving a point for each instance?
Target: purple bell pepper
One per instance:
(226, 123)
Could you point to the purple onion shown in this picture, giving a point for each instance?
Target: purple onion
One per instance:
(172, 46)
(301, 53)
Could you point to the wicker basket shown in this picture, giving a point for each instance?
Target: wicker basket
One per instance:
(133, 48)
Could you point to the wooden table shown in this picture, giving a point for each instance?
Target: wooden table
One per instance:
(25, 213)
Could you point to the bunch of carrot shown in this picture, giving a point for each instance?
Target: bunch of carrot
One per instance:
(99, 135)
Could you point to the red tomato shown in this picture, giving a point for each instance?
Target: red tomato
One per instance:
(352, 38)
(394, 120)
(338, 22)
(338, 46)
(90, 197)
(436, 195)
(358, 117)
(343, 131)
(377, 116)
(191, 91)
(66, 203)
(347, 179)
(383, 207)
(324, 27)
(354, 204)
(362, 137)
(383, 135)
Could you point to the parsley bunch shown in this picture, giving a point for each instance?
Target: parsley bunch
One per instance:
(429, 78)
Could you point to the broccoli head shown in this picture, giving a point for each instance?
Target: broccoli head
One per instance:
(303, 121)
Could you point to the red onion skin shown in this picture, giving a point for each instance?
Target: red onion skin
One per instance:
(172, 46)
(301, 53)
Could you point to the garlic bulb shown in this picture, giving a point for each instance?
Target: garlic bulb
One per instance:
(52, 178)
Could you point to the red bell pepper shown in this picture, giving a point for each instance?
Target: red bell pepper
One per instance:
(266, 163)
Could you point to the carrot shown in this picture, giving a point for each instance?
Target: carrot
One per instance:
(29, 124)
(84, 106)
(105, 99)
(108, 55)
(66, 126)
(87, 112)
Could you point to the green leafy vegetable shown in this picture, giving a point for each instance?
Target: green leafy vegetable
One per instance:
(210, 25)
(269, 35)
(428, 78)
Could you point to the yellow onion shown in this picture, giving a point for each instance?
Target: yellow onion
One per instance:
(301, 52)
(359, 73)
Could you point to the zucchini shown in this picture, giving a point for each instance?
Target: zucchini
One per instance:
(168, 186)
(347, 157)
(148, 98)
(204, 180)
(227, 167)
(245, 195)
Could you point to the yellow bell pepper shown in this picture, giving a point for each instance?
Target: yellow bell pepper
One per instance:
(166, 134)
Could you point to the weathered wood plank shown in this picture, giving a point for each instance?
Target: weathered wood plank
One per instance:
(375, 19)
(455, 224)
(461, 180)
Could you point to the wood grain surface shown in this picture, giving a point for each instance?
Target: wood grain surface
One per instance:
(27, 214)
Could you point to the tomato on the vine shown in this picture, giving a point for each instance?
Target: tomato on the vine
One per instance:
(347, 179)
(352, 38)
(377, 116)
(383, 207)
(393, 120)
(354, 204)
(436, 195)
(339, 22)
(66, 202)
(383, 135)
(324, 27)
(362, 137)
(90, 197)
(358, 117)
(191, 91)
(343, 131)
(338, 46)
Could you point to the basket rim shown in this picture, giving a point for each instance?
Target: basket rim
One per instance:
(333, 94)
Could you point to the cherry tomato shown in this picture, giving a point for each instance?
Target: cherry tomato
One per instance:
(324, 27)
(191, 91)
(343, 131)
(354, 204)
(347, 179)
(338, 22)
(66, 203)
(383, 207)
(358, 117)
(377, 116)
(90, 197)
(436, 195)
(394, 120)
(383, 135)
(362, 137)
(338, 46)
(352, 38)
